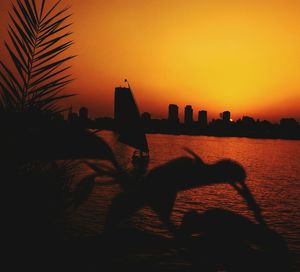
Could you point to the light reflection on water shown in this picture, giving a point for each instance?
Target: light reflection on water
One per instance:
(273, 176)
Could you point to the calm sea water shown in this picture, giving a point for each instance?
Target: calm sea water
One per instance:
(273, 169)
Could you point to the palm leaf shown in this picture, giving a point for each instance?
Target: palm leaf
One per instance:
(18, 46)
(35, 77)
(10, 79)
(8, 101)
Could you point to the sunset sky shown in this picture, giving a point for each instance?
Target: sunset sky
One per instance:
(241, 56)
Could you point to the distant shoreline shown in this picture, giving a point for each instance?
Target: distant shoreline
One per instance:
(287, 129)
(227, 136)
(213, 135)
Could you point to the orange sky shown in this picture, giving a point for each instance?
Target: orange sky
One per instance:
(242, 56)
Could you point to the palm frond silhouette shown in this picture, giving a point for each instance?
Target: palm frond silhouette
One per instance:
(37, 149)
(36, 78)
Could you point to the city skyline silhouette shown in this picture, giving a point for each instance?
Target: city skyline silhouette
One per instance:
(246, 126)
(232, 55)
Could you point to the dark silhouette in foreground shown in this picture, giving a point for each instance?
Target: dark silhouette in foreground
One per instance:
(215, 240)
(222, 236)
(159, 187)
(232, 242)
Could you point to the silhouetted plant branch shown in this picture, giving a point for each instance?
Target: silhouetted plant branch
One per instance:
(37, 45)
(31, 84)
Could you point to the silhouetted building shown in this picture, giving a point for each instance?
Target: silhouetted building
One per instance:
(125, 108)
(226, 116)
(70, 111)
(173, 114)
(289, 128)
(58, 117)
(72, 116)
(202, 118)
(123, 97)
(83, 113)
(247, 120)
(247, 124)
(188, 115)
(288, 122)
(146, 117)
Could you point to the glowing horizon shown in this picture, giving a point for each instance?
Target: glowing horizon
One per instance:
(236, 56)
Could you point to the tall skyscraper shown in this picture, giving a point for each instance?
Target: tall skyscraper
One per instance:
(72, 116)
(202, 118)
(226, 116)
(83, 113)
(188, 114)
(173, 114)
